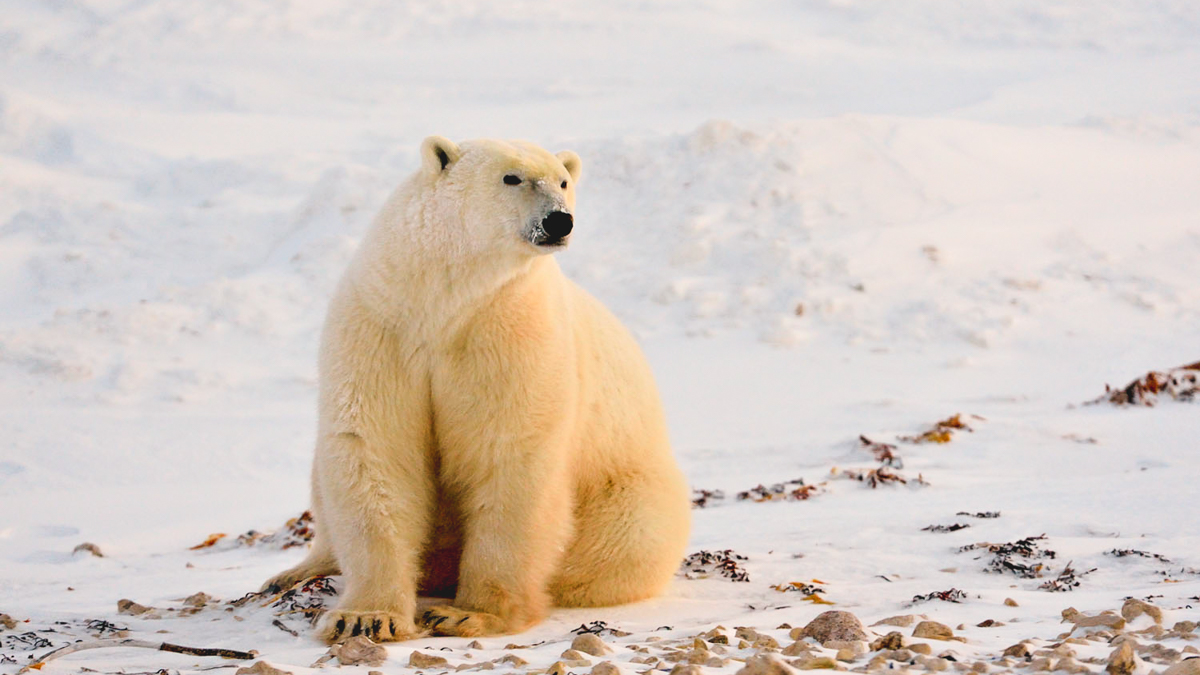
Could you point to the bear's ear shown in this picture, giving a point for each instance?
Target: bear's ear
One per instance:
(571, 161)
(438, 152)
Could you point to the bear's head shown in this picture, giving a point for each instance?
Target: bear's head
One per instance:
(503, 195)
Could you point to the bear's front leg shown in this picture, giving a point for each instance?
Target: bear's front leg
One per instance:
(517, 522)
(378, 523)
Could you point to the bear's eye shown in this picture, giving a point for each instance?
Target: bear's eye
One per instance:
(511, 180)
(564, 185)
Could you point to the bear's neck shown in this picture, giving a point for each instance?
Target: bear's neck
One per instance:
(415, 286)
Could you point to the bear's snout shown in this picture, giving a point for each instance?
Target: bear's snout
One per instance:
(557, 225)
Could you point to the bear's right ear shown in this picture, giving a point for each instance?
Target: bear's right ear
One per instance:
(438, 152)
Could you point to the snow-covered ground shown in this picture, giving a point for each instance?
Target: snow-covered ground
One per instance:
(823, 219)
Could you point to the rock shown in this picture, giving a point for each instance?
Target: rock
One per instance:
(818, 663)
(1070, 665)
(980, 667)
(557, 668)
(1122, 661)
(1041, 665)
(1133, 608)
(1186, 667)
(900, 655)
(797, 648)
(765, 642)
(261, 668)
(418, 660)
(1184, 626)
(766, 665)
(933, 631)
(856, 646)
(1019, 650)
(7, 621)
(589, 643)
(474, 644)
(920, 648)
(197, 600)
(681, 669)
(901, 621)
(893, 640)
(719, 639)
(1106, 619)
(609, 668)
(832, 625)
(1010, 602)
(932, 663)
(359, 650)
(748, 634)
(846, 654)
(89, 547)
(512, 659)
(127, 606)
(575, 655)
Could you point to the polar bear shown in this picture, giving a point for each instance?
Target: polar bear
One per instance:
(488, 432)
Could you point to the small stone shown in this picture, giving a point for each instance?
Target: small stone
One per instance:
(748, 634)
(832, 625)
(1010, 602)
(197, 600)
(1186, 667)
(1122, 660)
(1190, 650)
(419, 660)
(921, 648)
(127, 606)
(1070, 665)
(904, 655)
(766, 665)
(719, 639)
(557, 668)
(608, 668)
(766, 642)
(359, 650)
(847, 655)
(797, 648)
(1106, 619)
(901, 621)
(893, 640)
(7, 621)
(856, 646)
(589, 643)
(474, 644)
(681, 669)
(1133, 608)
(89, 547)
(818, 663)
(1019, 650)
(374, 672)
(742, 644)
(980, 667)
(933, 630)
(575, 655)
(931, 663)
(261, 668)
(1184, 626)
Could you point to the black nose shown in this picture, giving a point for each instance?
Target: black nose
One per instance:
(558, 224)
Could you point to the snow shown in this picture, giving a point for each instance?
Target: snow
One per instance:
(822, 219)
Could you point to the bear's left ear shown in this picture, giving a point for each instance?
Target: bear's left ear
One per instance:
(571, 161)
(438, 152)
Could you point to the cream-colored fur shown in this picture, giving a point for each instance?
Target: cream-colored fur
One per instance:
(488, 431)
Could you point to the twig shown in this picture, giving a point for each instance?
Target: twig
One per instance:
(144, 644)
(283, 627)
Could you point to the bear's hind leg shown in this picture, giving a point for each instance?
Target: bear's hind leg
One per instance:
(319, 562)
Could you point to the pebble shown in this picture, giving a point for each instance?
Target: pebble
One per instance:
(590, 644)
(933, 630)
(418, 660)
(574, 655)
(1010, 602)
(681, 669)
(893, 640)
(931, 663)
(359, 650)
(1122, 660)
(920, 648)
(1133, 608)
(902, 621)
(765, 665)
(1019, 650)
(1106, 619)
(832, 625)
(1185, 667)
(261, 668)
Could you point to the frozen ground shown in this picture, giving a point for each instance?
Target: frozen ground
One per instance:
(921, 209)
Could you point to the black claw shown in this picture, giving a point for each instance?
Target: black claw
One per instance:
(339, 628)
(376, 626)
(462, 621)
(427, 616)
(392, 626)
(438, 622)
(357, 630)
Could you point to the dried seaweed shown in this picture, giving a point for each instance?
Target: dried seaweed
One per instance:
(101, 628)
(979, 514)
(942, 432)
(1125, 552)
(307, 597)
(296, 531)
(601, 628)
(27, 641)
(702, 564)
(885, 453)
(701, 497)
(1005, 557)
(953, 595)
(881, 476)
(1067, 580)
(1181, 384)
(798, 587)
(793, 490)
(945, 528)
